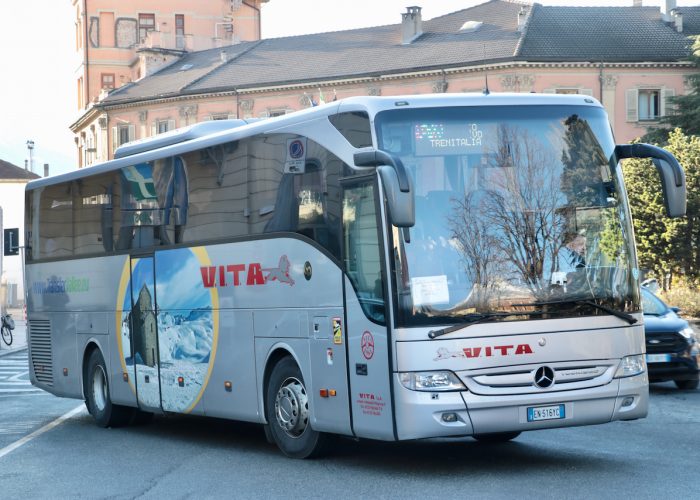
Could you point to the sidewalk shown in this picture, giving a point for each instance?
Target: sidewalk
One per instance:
(19, 334)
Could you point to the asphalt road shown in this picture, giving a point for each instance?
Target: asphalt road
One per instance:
(191, 457)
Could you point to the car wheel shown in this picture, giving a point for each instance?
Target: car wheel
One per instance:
(97, 397)
(496, 437)
(288, 414)
(687, 384)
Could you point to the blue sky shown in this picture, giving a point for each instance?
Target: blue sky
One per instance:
(38, 89)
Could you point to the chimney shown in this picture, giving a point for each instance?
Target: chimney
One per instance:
(666, 7)
(522, 16)
(636, 3)
(46, 169)
(677, 20)
(411, 25)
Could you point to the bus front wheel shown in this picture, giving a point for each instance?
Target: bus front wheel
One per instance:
(496, 437)
(97, 397)
(288, 414)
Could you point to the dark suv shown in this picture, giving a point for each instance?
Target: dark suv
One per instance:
(673, 351)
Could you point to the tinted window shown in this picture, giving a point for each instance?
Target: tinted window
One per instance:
(652, 304)
(355, 127)
(266, 184)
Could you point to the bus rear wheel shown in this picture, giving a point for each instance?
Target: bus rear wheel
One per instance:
(288, 414)
(97, 397)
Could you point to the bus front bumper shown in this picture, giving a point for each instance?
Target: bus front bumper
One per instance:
(443, 414)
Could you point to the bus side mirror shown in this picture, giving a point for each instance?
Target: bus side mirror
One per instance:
(671, 172)
(375, 157)
(402, 206)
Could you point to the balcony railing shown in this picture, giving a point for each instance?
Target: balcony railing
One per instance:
(187, 43)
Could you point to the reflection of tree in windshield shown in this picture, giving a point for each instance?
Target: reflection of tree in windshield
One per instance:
(583, 159)
(482, 259)
(522, 209)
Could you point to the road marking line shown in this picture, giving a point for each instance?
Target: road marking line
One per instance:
(12, 447)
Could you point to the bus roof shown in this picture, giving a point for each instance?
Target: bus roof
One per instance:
(205, 135)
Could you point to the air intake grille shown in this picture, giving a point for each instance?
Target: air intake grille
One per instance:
(40, 349)
(665, 342)
(521, 380)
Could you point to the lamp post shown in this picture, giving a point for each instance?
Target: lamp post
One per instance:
(30, 147)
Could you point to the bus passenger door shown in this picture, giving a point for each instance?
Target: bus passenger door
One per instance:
(144, 332)
(369, 347)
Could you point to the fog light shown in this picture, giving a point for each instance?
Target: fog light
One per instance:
(627, 401)
(449, 417)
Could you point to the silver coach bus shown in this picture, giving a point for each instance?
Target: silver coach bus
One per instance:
(379, 267)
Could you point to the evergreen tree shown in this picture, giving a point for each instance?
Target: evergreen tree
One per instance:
(666, 246)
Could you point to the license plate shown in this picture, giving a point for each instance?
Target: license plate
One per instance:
(535, 414)
(658, 358)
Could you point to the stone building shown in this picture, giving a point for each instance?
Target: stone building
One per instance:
(120, 42)
(143, 324)
(630, 58)
(13, 179)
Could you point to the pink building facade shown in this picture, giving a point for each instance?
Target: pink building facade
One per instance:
(226, 84)
(120, 42)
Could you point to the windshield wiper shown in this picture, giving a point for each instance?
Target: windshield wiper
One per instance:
(584, 302)
(472, 319)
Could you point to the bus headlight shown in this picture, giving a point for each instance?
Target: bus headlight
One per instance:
(431, 381)
(631, 365)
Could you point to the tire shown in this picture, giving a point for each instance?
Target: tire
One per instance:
(7, 335)
(288, 414)
(496, 437)
(687, 385)
(97, 398)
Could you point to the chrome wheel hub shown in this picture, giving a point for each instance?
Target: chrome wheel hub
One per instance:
(292, 407)
(99, 388)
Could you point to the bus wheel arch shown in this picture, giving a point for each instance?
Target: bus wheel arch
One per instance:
(97, 392)
(286, 404)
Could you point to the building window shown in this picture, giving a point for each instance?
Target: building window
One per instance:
(162, 126)
(566, 91)
(179, 31)
(147, 22)
(648, 102)
(121, 134)
(107, 80)
(80, 93)
(277, 112)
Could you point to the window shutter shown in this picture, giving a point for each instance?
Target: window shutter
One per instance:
(264, 114)
(132, 132)
(631, 98)
(206, 118)
(666, 106)
(171, 124)
(549, 91)
(115, 138)
(287, 111)
(586, 92)
(231, 117)
(154, 129)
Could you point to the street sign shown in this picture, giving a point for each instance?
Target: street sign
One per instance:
(11, 240)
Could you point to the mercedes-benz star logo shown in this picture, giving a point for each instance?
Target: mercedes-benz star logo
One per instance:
(544, 377)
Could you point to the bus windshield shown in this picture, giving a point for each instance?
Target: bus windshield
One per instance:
(520, 214)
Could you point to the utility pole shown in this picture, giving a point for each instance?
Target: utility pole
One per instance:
(30, 147)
